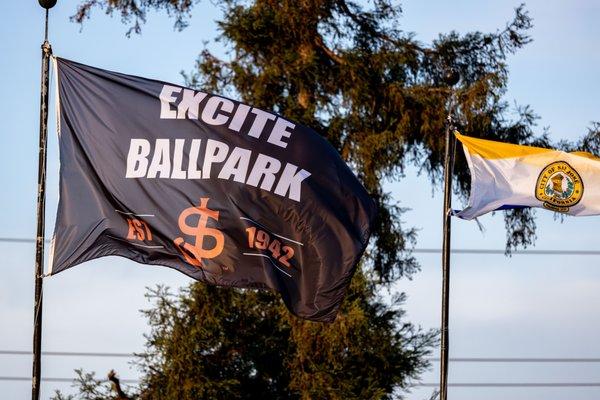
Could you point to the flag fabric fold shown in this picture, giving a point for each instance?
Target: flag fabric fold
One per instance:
(505, 176)
(224, 192)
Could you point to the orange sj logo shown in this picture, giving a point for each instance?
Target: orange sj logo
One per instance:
(194, 254)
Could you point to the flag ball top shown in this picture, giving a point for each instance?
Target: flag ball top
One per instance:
(47, 4)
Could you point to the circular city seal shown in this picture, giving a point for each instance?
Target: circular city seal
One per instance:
(559, 187)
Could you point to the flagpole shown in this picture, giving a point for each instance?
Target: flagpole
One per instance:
(452, 79)
(41, 204)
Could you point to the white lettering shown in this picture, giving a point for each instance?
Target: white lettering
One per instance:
(193, 171)
(259, 122)
(190, 104)
(166, 158)
(211, 114)
(137, 158)
(166, 98)
(239, 117)
(265, 167)
(177, 172)
(292, 181)
(280, 130)
(236, 165)
(161, 161)
(216, 152)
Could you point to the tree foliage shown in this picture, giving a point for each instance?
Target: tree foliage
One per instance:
(379, 96)
(220, 343)
(374, 91)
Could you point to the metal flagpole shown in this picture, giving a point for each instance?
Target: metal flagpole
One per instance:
(452, 79)
(41, 204)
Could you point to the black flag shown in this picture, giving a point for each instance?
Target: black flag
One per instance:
(224, 192)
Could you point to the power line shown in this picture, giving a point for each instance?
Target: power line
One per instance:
(502, 252)
(427, 384)
(519, 360)
(515, 384)
(19, 240)
(455, 359)
(434, 359)
(67, 353)
(28, 379)
(425, 250)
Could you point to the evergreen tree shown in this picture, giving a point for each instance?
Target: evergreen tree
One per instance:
(379, 96)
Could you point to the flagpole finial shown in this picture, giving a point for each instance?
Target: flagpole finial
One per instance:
(47, 4)
(451, 77)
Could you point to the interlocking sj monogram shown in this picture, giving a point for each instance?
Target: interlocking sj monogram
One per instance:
(194, 254)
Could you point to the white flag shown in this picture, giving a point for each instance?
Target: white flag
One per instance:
(505, 176)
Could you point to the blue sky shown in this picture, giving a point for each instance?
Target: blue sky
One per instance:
(523, 306)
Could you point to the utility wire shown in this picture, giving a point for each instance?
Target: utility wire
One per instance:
(427, 384)
(19, 240)
(28, 379)
(502, 252)
(67, 353)
(453, 359)
(424, 250)
(518, 360)
(514, 384)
